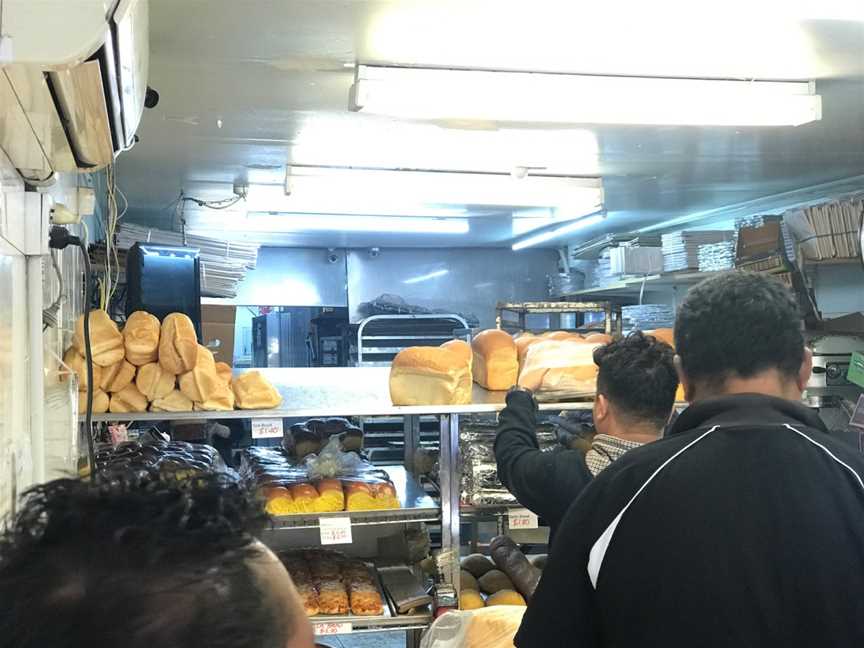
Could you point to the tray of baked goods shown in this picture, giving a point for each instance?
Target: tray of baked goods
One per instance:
(333, 483)
(333, 586)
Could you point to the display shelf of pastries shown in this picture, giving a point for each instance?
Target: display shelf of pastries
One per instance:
(338, 589)
(414, 506)
(339, 391)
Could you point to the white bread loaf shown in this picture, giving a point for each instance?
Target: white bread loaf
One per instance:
(141, 338)
(560, 366)
(221, 400)
(430, 376)
(496, 362)
(224, 371)
(106, 341)
(178, 344)
(462, 349)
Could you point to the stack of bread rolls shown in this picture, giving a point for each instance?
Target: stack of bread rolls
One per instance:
(160, 367)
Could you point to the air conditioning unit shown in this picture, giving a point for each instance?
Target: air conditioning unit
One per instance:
(72, 83)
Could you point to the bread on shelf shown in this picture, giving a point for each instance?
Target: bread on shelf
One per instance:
(129, 399)
(202, 382)
(224, 371)
(100, 402)
(141, 338)
(154, 382)
(106, 341)
(563, 366)
(253, 391)
(174, 401)
(178, 344)
(117, 376)
(220, 400)
(429, 376)
(462, 349)
(496, 363)
(76, 362)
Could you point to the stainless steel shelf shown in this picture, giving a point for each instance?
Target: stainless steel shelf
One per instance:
(416, 506)
(416, 621)
(338, 391)
(631, 287)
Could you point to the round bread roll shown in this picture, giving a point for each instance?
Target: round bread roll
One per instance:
(106, 342)
(506, 597)
(477, 564)
(128, 399)
(141, 338)
(470, 600)
(154, 382)
(173, 402)
(224, 371)
(202, 383)
(253, 391)
(117, 376)
(598, 338)
(178, 344)
(100, 402)
(76, 362)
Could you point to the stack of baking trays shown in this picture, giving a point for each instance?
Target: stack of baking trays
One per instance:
(332, 584)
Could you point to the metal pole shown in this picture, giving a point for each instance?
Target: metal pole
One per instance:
(450, 487)
(411, 429)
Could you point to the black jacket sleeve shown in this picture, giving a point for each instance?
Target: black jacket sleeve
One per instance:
(544, 482)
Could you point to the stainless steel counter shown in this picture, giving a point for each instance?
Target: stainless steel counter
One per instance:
(338, 391)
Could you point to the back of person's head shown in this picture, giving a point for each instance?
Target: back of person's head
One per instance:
(739, 326)
(138, 566)
(637, 375)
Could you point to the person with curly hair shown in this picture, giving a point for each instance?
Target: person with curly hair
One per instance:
(144, 563)
(636, 384)
(743, 527)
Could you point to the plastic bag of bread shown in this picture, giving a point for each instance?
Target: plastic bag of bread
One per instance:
(76, 362)
(100, 402)
(560, 368)
(496, 361)
(141, 338)
(253, 391)
(489, 627)
(429, 376)
(117, 376)
(178, 344)
(106, 341)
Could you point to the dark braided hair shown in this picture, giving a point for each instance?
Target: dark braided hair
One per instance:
(136, 563)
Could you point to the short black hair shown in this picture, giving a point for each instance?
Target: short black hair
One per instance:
(637, 374)
(738, 324)
(136, 564)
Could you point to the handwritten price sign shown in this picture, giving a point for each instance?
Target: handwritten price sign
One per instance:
(521, 519)
(323, 629)
(335, 530)
(267, 428)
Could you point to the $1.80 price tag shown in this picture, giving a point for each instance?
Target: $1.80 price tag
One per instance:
(322, 629)
(267, 428)
(521, 519)
(335, 530)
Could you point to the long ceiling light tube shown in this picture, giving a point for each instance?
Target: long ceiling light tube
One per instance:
(275, 222)
(559, 231)
(431, 93)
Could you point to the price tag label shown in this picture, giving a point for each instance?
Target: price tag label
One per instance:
(335, 530)
(521, 519)
(322, 629)
(267, 428)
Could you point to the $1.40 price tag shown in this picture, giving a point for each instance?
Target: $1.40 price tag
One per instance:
(267, 428)
(521, 519)
(322, 629)
(335, 530)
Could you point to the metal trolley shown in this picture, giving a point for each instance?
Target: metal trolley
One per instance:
(611, 314)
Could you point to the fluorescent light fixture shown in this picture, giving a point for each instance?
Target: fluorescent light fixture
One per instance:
(430, 93)
(548, 235)
(426, 277)
(276, 222)
(397, 189)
